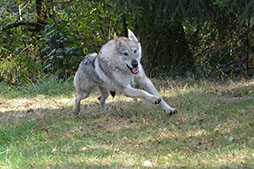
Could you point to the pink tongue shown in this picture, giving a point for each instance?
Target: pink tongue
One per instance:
(135, 70)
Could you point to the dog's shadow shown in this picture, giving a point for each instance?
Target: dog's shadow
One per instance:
(120, 109)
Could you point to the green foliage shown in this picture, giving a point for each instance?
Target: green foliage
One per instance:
(61, 34)
(17, 69)
(179, 37)
(166, 47)
(57, 55)
(19, 58)
(19, 53)
(216, 35)
(76, 30)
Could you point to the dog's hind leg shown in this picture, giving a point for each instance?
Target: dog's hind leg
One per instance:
(83, 88)
(103, 97)
(78, 98)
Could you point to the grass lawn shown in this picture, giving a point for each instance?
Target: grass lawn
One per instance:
(214, 127)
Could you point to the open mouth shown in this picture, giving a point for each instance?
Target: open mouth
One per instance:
(133, 70)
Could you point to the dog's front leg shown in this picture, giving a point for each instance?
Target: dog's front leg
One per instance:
(136, 93)
(147, 84)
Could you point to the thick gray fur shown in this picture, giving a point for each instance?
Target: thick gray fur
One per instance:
(113, 69)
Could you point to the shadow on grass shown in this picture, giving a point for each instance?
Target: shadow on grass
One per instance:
(207, 126)
(240, 91)
(120, 165)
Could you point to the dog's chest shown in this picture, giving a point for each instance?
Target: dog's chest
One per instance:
(123, 78)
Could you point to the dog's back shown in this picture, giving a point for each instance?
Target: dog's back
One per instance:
(86, 72)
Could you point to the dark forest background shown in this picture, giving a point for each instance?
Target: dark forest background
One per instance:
(201, 38)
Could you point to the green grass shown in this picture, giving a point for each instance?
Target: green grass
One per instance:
(213, 129)
(49, 85)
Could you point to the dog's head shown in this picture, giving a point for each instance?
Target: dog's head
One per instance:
(129, 51)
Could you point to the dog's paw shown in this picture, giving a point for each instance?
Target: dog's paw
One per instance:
(74, 111)
(156, 100)
(172, 112)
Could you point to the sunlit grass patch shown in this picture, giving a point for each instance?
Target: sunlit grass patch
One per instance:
(213, 129)
(48, 85)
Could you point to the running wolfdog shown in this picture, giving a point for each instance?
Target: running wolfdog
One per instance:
(116, 68)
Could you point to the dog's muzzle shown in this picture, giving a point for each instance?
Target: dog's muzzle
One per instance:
(134, 68)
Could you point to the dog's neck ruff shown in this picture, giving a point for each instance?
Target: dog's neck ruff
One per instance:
(101, 69)
(108, 64)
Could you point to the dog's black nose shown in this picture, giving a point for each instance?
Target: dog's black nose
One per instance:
(134, 63)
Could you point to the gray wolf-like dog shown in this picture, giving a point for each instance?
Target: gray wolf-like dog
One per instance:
(116, 68)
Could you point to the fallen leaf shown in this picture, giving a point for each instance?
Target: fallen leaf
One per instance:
(53, 150)
(44, 129)
(116, 150)
(162, 134)
(125, 138)
(242, 112)
(169, 155)
(212, 91)
(148, 163)
(38, 118)
(83, 149)
(230, 139)
(204, 141)
(30, 111)
(179, 121)
(185, 142)
(251, 124)
(27, 105)
(81, 128)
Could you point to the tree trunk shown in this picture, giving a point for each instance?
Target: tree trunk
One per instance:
(125, 32)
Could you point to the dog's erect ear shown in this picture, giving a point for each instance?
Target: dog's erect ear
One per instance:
(117, 43)
(131, 36)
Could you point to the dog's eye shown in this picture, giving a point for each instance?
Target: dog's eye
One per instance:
(135, 51)
(125, 54)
